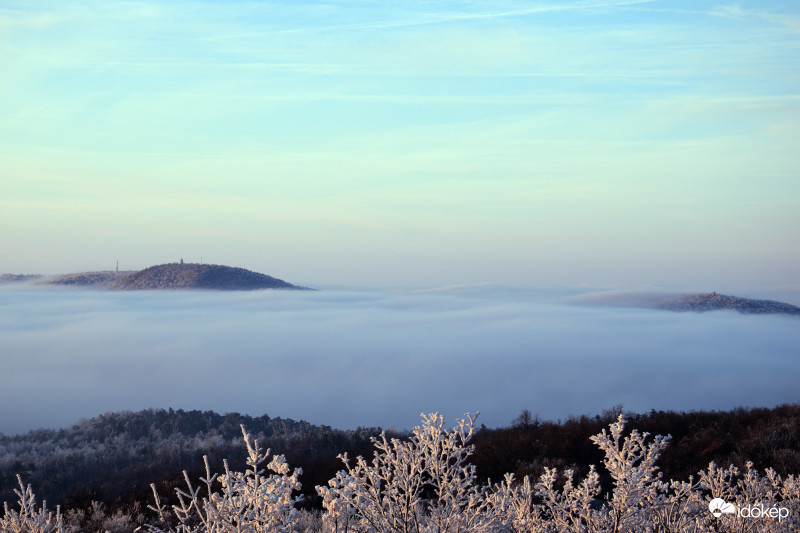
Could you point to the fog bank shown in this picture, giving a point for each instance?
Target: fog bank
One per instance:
(345, 358)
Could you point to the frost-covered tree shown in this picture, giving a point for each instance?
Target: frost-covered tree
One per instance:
(640, 501)
(631, 462)
(248, 501)
(423, 484)
(513, 505)
(29, 519)
(426, 484)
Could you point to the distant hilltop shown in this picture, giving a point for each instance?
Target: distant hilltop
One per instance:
(698, 303)
(712, 302)
(18, 278)
(175, 276)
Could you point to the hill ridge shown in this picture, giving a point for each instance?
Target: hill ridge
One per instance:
(712, 301)
(176, 276)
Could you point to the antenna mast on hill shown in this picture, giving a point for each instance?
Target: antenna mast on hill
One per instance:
(117, 265)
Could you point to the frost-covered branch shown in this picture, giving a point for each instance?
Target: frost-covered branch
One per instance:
(421, 484)
(249, 501)
(29, 519)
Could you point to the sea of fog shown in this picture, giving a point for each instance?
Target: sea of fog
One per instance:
(371, 358)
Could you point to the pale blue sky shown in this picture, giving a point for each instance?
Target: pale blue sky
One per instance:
(597, 142)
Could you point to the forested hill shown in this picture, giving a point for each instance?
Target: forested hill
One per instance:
(176, 276)
(18, 278)
(697, 303)
(196, 276)
(106, 457)
(714, 302)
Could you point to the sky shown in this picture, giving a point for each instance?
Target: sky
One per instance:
(376, 358)
(602, 143)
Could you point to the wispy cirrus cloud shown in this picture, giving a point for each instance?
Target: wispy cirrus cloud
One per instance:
(790, 21)
(445, 13)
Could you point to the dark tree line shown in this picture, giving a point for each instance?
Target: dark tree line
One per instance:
(114, 457)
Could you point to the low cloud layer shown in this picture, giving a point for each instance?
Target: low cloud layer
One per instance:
(375, 358)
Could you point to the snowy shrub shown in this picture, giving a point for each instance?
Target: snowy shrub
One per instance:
(308, 522)
(422, 484)
(96, 519)
(249, 501)
(29, 519)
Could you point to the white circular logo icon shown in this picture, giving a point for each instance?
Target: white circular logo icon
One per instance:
(718, 507)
